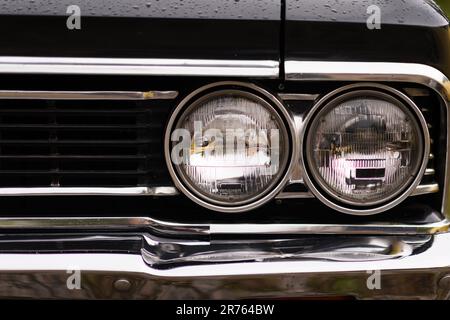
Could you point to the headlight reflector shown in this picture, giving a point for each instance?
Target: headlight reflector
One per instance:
(365, 148)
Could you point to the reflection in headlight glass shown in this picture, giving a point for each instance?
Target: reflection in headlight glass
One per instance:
(365, 149)
(236, 148)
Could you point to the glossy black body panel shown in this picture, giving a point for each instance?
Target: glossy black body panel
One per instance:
(414, 31)
(200, 29)
(156, 9)
(401, 12)
(135, 37)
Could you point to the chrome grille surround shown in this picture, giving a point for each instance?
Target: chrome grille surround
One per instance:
(295, 71)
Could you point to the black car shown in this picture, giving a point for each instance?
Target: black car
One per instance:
(224, 149)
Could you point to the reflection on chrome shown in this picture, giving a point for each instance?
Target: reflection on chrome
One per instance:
(356, 249)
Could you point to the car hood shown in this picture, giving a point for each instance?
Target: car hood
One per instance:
(333, 30)
(200, 29)
(414, 31)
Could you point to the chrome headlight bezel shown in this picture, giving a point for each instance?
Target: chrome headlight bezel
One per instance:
(246, 90)
(313, 181)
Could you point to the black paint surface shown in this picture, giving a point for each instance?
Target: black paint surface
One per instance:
(411, 30)
(336, 30)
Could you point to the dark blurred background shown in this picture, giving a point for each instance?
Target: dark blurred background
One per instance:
(445, 4)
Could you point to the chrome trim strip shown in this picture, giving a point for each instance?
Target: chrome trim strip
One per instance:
(153, 67)
(420, 190)
(88, 95)
(294, 229)
(417, 92)
(298, 96)
(105, 223)
(294, 195)
(429, 172)
(180, 229)
(379, 71)
(154, 191)
(426, 189)
(57, 191)
(368, 71)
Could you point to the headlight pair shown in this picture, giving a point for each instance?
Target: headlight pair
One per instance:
(230, 147)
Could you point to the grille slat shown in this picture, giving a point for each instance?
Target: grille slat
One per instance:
(77, 157)
(59, 172)
(78, 142)
(75, 127)
(113, 112)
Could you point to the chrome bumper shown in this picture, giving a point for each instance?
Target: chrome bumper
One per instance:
(409, 267)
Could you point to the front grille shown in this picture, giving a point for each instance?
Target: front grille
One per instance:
(115, 144)
(55, 143)
(80, 143)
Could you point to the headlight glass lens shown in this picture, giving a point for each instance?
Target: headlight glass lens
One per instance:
(364, 150)
(238, 147)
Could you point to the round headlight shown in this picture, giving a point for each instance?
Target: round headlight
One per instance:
(366, 148)
(229, 149)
